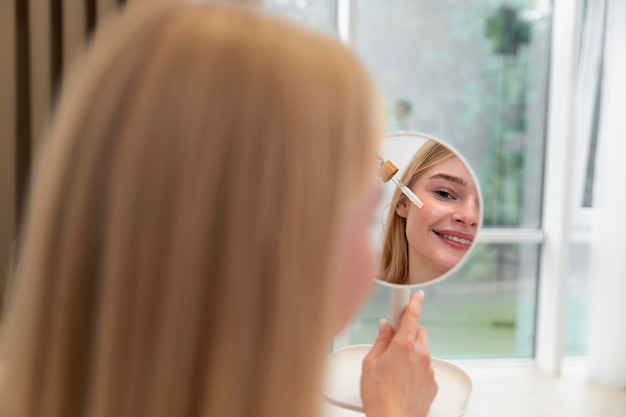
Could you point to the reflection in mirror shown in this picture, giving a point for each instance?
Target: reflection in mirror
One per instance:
(421, 245)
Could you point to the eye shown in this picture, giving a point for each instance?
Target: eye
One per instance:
(444, 194)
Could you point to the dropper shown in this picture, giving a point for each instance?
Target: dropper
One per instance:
(388, 172)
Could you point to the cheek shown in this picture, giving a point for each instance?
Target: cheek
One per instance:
(418, 222)
(428, 217)
(359, 267)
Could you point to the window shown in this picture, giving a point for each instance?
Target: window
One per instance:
(474, 73)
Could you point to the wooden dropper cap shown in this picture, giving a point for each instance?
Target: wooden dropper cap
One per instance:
(387, 170)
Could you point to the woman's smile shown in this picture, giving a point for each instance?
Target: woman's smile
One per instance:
(456, 239)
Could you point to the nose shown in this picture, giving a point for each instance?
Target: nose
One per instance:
(467, 213)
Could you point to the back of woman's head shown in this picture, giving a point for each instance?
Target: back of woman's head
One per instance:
(178, 251)
(395, 261)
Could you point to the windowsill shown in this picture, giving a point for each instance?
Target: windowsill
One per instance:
(517, 388)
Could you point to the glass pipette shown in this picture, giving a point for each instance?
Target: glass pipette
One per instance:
(388, 172)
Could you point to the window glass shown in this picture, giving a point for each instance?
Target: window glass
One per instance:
(473, 73)
(590, 92)
(320, 14)
(576, 301)
(485, 309)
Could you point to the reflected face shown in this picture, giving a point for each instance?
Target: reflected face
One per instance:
(441, 233)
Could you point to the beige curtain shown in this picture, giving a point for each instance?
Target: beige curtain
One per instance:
(38, 41)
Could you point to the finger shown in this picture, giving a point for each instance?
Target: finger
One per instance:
(422, 339)
(410, 320)
(385, 335)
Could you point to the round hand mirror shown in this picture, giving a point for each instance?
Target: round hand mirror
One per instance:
(427, 225)
(423, 245)
(429, 218)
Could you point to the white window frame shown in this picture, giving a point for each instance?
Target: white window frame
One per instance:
(558, 186)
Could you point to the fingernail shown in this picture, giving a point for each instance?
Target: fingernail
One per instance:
(382, 325)
(422, 293)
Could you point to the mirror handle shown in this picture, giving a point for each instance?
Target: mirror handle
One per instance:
(400, 296)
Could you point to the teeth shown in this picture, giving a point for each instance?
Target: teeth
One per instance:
(457, 239)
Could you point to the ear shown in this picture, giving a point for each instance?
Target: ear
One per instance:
(401, 208)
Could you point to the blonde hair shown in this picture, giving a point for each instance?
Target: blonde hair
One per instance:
(174, 263)
(395, 257)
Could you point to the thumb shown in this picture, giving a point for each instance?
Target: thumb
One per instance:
(385, 335)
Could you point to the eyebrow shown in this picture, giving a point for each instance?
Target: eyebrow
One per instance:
(456, 180)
